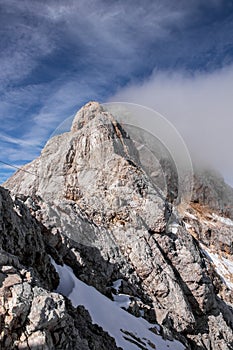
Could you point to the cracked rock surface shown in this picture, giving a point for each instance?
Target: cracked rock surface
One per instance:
(32, 316)
(87, 202)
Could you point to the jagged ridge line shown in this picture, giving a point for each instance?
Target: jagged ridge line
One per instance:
(26, 171)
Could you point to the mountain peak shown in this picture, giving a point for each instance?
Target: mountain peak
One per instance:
(105, 217)
(85, 114)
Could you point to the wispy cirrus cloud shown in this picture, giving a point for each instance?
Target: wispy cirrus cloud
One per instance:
(98, 36)
(55, 56)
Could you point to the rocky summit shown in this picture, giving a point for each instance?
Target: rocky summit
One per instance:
(94, 254)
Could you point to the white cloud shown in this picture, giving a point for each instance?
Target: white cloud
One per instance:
(105, 42)
(98, 29)
(18, 141)
(200, 106)
(59, 100)
(24, 41)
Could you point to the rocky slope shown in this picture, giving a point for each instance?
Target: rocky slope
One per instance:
(32, 316)
(103, 215)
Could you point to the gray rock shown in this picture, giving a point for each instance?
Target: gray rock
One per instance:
(31, 315)
(105, 215)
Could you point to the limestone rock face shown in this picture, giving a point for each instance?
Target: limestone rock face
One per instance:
(96, 166)
(103, 215)
(21, 236)
(31, 315)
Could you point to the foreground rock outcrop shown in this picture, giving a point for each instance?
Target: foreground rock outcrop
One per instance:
(99, 212)
(32, 316)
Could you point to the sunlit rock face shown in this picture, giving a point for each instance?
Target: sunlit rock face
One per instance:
(32, 315)
(99, 211)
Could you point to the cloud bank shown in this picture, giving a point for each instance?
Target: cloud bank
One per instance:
(199, 105)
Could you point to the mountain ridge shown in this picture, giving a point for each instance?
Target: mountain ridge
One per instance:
(104, 216)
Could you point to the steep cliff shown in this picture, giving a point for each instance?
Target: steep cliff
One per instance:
(103, 215)
(32, 315)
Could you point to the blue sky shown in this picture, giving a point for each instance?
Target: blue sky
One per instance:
(57, 55)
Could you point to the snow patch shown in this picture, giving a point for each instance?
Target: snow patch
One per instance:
(187, 226)
(117, 284)
(223, 220)
(224, 266)
(191, 216)
(173, 227)
(130, 333)
(122, 300)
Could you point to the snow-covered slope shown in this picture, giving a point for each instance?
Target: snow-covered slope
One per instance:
(130, 333)
(223, 266)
